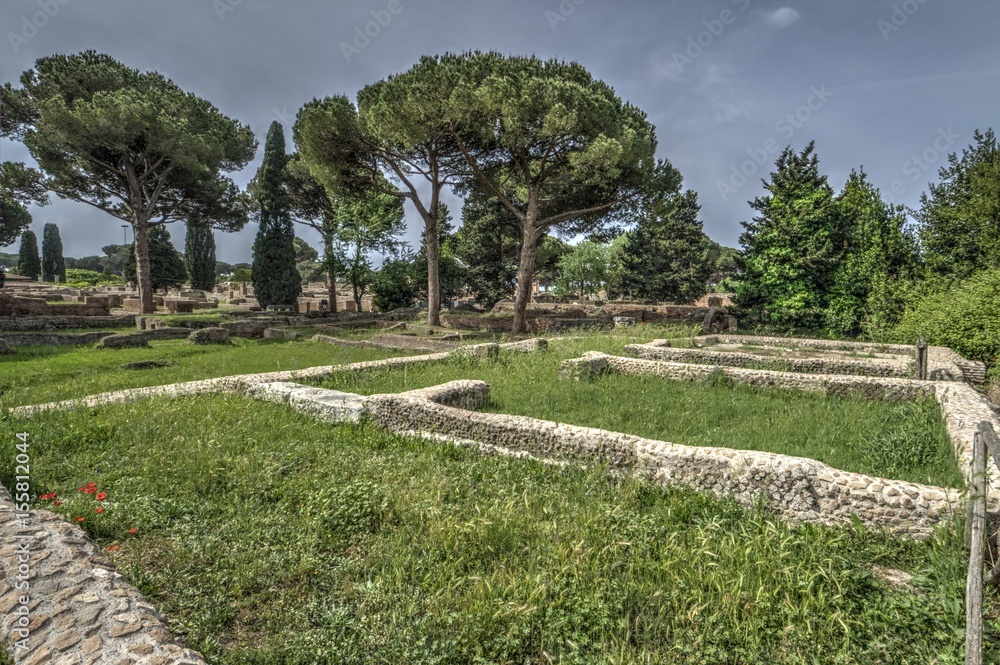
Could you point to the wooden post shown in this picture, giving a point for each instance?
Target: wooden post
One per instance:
(921, 359)
(991, 441)
(974, 579)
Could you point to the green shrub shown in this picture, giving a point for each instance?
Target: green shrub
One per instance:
(393, 286)
(78, 278)
(964, 317)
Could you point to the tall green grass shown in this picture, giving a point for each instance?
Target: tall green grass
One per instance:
(34, 375)
(905, 441)
(267, 537)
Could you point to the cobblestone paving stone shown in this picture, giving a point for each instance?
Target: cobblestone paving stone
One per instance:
(76, 607)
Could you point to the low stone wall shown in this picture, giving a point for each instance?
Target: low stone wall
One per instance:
(53, 339)
(799, 489)
(805, 342)
(943, 364)
(62, 601)
(22, 323)
(735, 359)
(68, 339)
(883, 389)
(962, 407)
(20, 306)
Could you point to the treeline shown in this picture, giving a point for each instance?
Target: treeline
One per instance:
(850, 264)
(539, 150)
(556, 149)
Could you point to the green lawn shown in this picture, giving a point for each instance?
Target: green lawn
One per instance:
(906, 441)
(267, 537)
(41, 374)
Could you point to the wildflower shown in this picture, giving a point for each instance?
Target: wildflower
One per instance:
(47, 496)
(98, 510)
(57, 502)
(79, 519)
(101, 496)
(133, 530)
(113, 548)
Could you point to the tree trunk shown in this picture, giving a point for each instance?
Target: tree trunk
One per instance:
(356, 277)
(433, 261)
(331, 277)
(433, 276)
(525, 273)
(143, 278)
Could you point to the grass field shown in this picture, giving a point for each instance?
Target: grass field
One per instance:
(40, 374)
(267, 537)
(906, 441)
(46, 373)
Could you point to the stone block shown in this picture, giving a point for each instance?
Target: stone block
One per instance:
(179, 305)
(588, 367)
(130, 341)
(488, 351)
(210, 336)
(278, 333)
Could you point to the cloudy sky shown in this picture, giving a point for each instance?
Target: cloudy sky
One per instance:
(893, 85)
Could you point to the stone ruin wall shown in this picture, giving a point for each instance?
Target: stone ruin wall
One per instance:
(962, 406)
(85, 611)
(26, 323)
(749, 360)
(799, 489)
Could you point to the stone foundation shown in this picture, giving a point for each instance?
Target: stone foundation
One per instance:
(24, 323)
(735, 359)
(962, 407)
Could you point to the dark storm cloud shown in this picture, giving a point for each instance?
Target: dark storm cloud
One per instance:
(891, 85)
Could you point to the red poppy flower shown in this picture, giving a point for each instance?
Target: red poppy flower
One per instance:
(57, 502)
(101, 496)
(47, 496)
(113, 548)
(98, 510)
(133, 530)
(79, 519)
(88, 489)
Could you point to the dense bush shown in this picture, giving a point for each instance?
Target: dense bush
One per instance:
(393, 286)
(964, 317)
(81, 279)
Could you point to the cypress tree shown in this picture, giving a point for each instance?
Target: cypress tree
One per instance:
(488, 245)
(53, 263)
(166, 267)
(276, 279)
(663, 257)
(28, 262)
(792, 249)
(199, 257)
